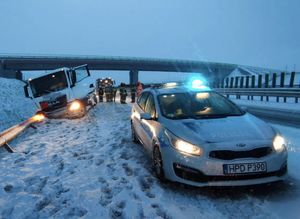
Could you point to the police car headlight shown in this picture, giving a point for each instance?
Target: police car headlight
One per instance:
(183, 146)
(278, 143)
(75, 105)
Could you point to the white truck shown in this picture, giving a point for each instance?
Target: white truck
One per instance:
(63, 93)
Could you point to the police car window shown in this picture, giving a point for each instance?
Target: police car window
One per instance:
(142, 100)
(150, 106)
(196, 105)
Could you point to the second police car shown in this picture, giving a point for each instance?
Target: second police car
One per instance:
(197, 136)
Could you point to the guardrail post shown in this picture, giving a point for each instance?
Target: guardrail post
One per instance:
(253, 81)
(274, 80)
(247, 85)
(236, 82)
(266, 80)
(231, 82)
(242, 82)
(237, 86)
(227, 83)
(282, 79)
(247, 81)
(267, 85)
(241, 85)
(252, 84)
(292, 79)
(259, 85)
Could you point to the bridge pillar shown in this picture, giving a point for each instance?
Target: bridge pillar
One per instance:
(133, 77)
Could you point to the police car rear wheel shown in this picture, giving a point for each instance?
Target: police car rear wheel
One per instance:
(158, 164)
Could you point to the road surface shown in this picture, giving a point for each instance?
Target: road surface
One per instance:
(90, 168)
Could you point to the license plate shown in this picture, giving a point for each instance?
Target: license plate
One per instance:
(244, 168)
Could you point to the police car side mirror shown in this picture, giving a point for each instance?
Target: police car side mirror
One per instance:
(146, 116)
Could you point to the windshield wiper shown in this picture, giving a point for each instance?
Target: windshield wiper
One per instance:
(215, 116)
(211, 116)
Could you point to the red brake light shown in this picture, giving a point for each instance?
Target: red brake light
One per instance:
(44, 105)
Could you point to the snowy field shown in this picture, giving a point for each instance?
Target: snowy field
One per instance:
(89, 168)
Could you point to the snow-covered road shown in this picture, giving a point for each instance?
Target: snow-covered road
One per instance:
(90, 168)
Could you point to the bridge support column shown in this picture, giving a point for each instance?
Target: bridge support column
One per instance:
(133, 77)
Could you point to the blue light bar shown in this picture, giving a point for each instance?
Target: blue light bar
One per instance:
(197, 83)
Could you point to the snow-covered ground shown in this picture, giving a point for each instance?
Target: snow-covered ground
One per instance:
(14, 107)
(90, 168)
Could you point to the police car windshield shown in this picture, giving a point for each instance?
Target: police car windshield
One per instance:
(197, 105)
(48, 83)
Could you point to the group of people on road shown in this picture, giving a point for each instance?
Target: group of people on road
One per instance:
(110, 92)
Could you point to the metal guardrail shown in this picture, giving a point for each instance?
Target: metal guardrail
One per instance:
(262, 92)
(9, 134)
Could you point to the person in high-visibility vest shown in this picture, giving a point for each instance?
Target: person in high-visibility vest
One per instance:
(123, 93)
(133, 93)
(114, 93)
(139, 89)
(101, 93)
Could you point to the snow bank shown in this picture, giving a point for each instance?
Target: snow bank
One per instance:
(14, 107)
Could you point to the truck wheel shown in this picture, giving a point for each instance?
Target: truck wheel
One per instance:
(133, 135)
(158, 164)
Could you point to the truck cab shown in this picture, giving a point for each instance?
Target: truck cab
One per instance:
(63, 93)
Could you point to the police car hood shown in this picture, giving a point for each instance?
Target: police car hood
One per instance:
(231, 128)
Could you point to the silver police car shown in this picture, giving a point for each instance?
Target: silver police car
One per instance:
(197, 136)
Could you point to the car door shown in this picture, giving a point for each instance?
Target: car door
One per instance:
(149, 125)
(81, 82)
(137, 110)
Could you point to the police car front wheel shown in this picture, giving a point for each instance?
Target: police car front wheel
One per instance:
(158, 164)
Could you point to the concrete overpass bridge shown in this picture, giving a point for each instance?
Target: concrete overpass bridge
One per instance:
(12, 65)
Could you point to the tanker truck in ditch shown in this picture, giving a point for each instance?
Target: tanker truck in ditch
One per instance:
(63, 93)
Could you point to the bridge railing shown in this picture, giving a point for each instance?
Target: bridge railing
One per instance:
(263, 93)
(283, 85)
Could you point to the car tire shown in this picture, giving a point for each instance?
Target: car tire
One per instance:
(157, 163)
(133, 135)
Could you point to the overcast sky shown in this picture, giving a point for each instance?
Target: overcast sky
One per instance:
(262, 33)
